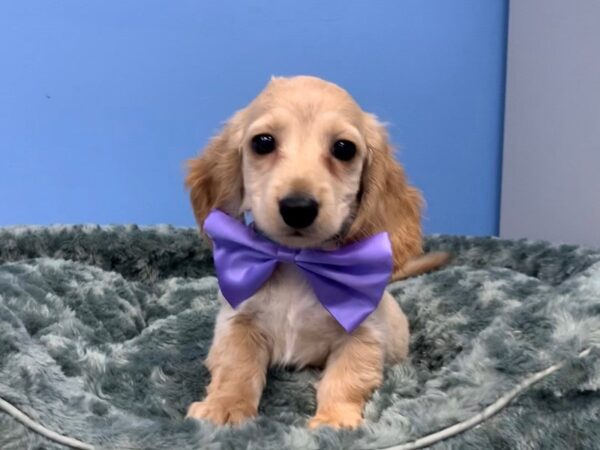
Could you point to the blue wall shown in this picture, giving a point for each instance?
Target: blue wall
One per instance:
(101, 102)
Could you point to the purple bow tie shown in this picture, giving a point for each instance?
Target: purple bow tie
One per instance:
(348, 282)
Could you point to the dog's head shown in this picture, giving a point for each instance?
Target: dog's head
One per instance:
(312, 167)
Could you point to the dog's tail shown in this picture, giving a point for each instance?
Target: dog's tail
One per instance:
(422, 264)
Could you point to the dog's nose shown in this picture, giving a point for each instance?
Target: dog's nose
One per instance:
(298, 211)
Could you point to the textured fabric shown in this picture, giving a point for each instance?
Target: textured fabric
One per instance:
(348, 282)
(103, 330)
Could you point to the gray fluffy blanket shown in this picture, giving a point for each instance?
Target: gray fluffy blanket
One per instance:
(103, 332)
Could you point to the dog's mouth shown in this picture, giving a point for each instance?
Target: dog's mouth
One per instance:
(306, 237)
(291, 238)
(296, 239)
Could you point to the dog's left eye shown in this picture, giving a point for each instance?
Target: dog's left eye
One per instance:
(344, 150)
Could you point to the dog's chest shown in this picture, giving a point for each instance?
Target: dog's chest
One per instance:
(299, 327)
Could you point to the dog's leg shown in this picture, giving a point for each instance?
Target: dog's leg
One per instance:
(352, 372)
(238, 361)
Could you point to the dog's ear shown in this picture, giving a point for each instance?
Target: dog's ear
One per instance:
(386, 201)
(214, 178)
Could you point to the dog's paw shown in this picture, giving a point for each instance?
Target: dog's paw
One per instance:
(338, 418)
(222, 411)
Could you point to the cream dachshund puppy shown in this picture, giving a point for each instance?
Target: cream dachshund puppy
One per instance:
(315, 171)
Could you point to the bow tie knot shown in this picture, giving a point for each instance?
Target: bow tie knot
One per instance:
(286, 255)
(348, 282)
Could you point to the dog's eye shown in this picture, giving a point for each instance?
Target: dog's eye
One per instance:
(344, 150)
(263, 144)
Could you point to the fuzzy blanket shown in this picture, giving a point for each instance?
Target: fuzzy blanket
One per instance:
(103, 332)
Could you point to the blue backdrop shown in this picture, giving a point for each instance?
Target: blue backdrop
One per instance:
(102, 102)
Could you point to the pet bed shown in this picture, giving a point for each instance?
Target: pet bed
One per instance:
(103, 331)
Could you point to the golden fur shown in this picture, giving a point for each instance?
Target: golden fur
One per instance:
(283, 323)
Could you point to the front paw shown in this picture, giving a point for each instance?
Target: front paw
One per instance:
(222, 411)
(339, 417)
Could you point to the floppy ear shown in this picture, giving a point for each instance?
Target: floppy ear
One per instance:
(387, 202)
(215, 177)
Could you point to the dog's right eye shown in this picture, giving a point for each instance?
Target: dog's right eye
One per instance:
(263, 144)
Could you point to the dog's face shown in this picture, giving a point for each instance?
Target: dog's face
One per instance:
(312, 168)
(303, 153)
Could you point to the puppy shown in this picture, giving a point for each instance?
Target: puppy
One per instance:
(306, 142)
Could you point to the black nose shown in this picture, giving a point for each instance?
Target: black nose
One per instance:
(298, 211)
